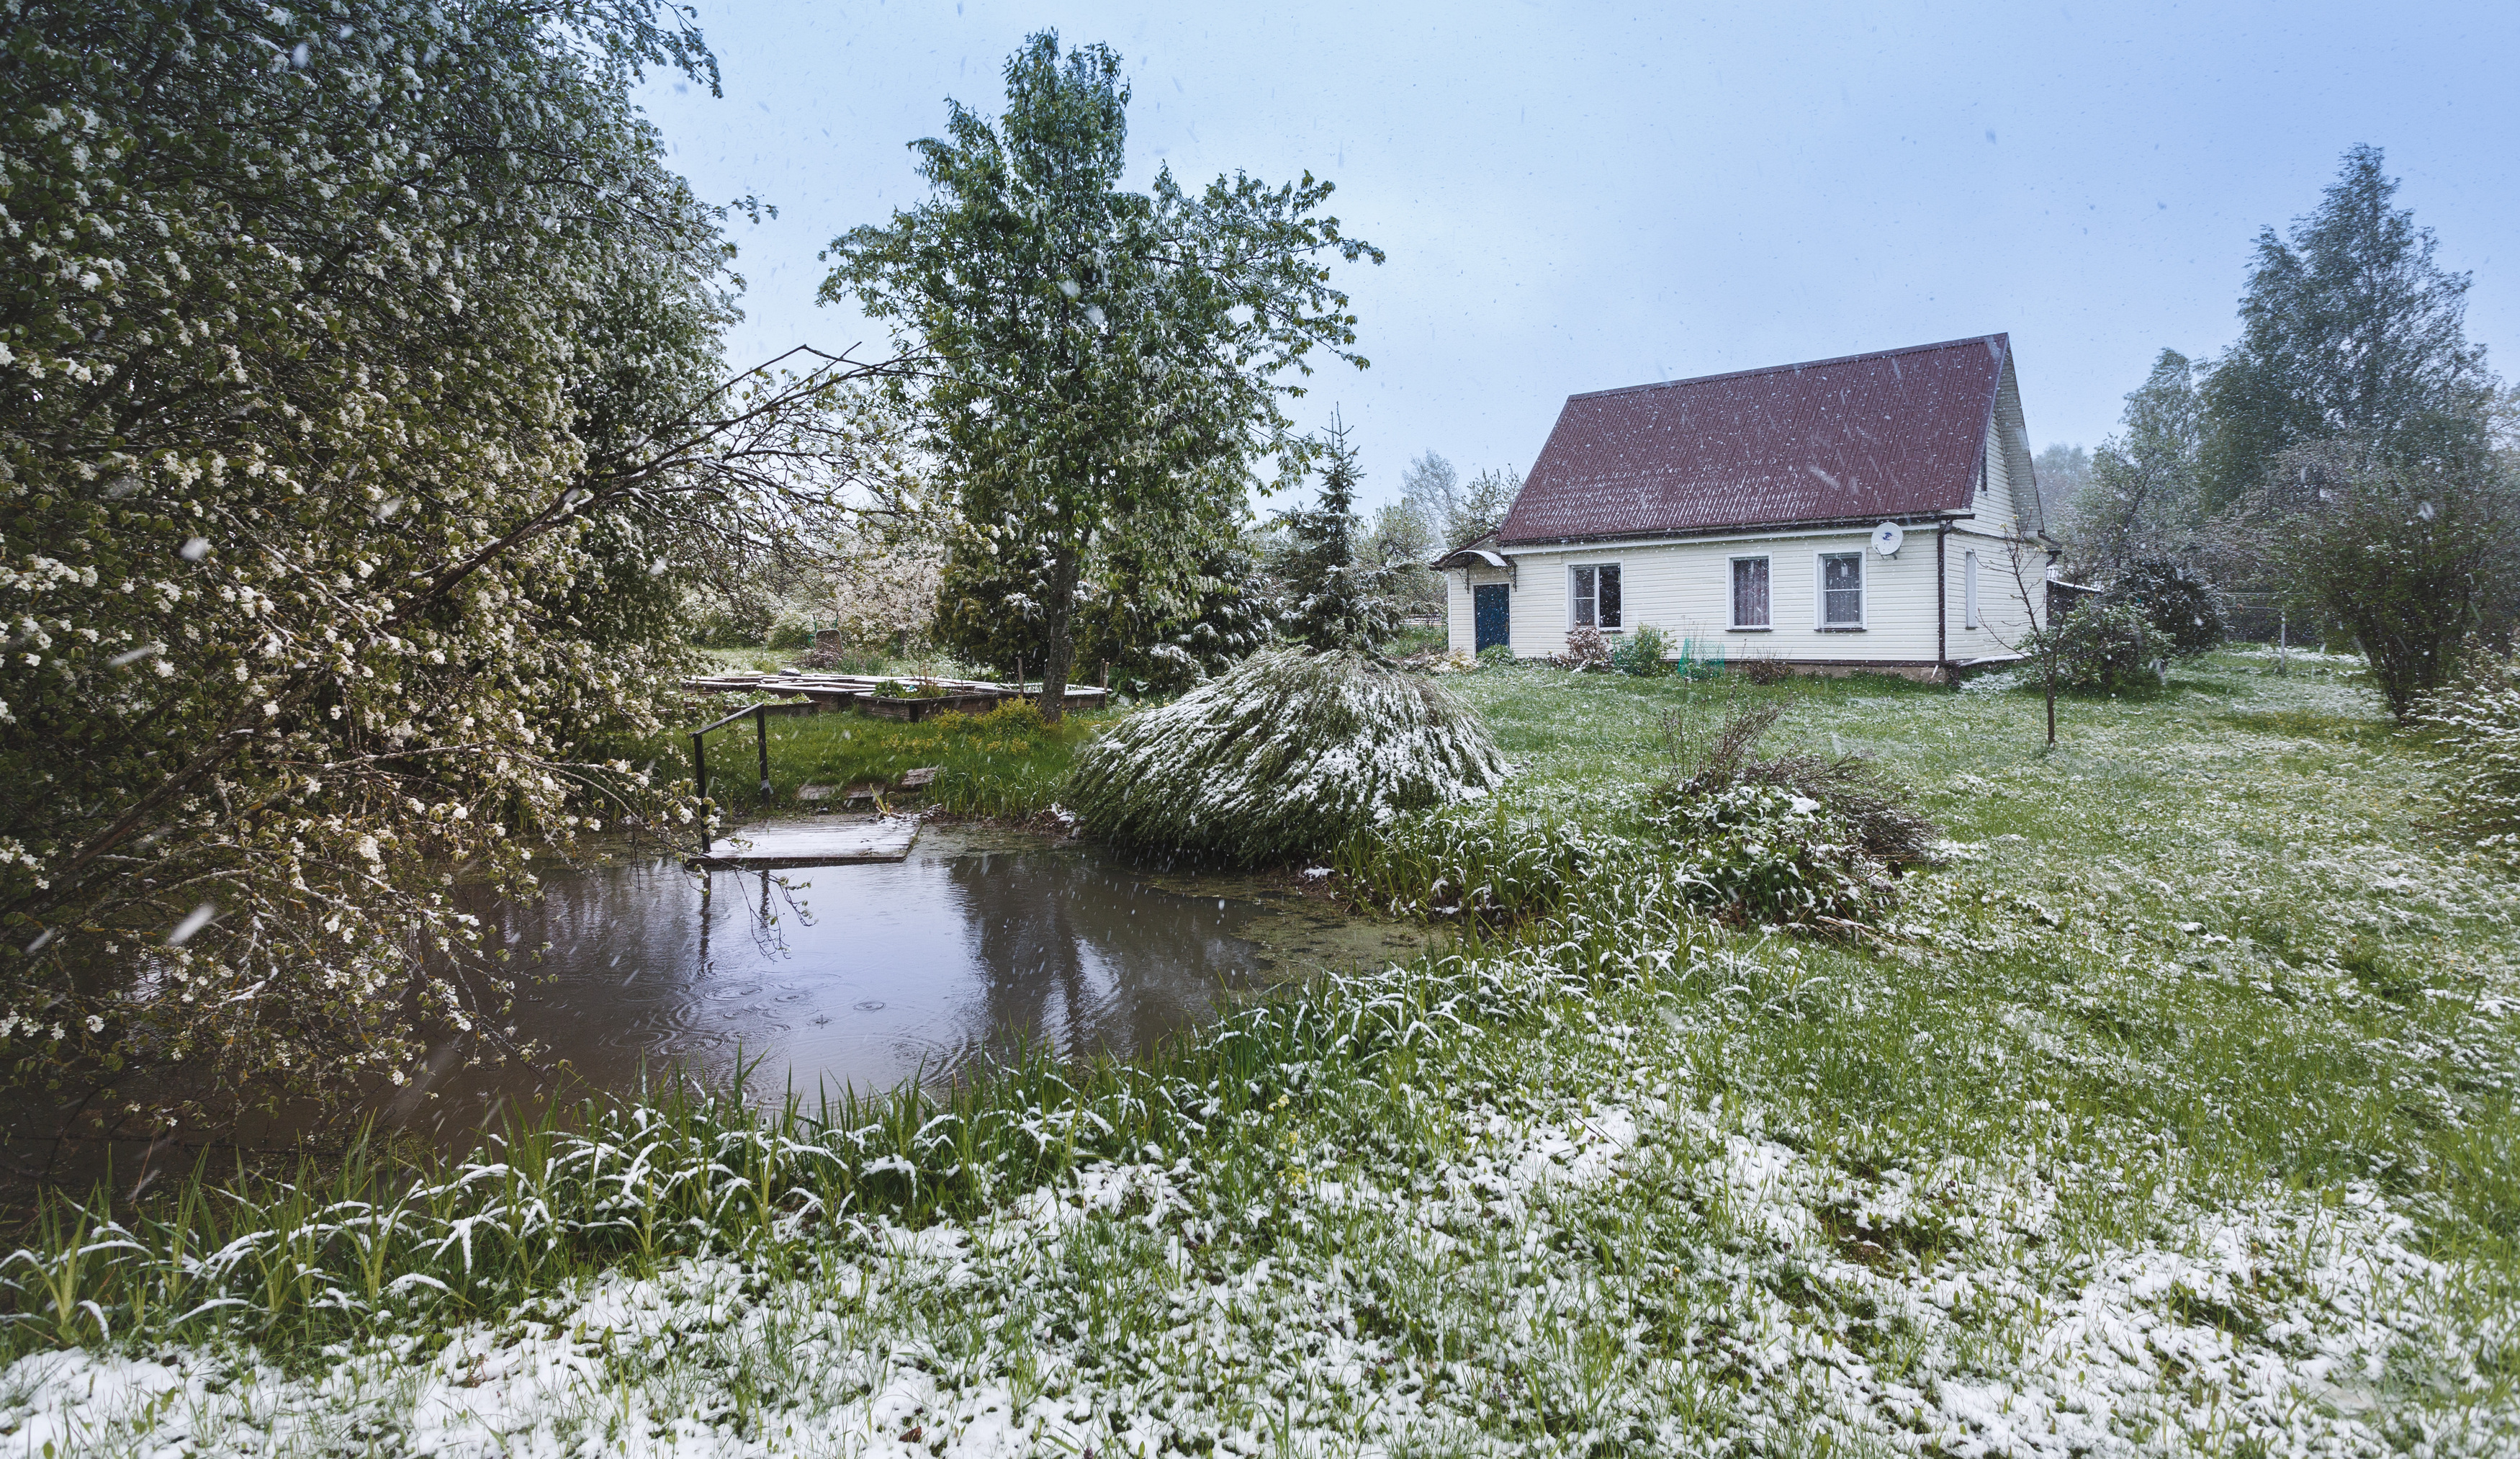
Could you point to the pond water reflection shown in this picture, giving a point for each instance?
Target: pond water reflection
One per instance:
(866, 975)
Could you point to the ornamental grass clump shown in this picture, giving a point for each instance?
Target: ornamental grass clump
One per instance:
(1794, 840)
(1283, 757)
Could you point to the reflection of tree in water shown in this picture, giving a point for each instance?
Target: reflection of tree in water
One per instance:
(1081, 958)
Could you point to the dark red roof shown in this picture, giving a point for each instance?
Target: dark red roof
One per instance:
(1868, 437)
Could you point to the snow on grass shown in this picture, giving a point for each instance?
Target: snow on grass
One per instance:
(2180, 1119)
(1608, 1271)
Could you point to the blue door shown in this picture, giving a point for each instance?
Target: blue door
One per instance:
(1491, 614)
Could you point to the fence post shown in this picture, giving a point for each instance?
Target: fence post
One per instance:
(761, 733)
(700, 782)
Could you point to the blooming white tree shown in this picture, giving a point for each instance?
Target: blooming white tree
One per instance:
(364, 406)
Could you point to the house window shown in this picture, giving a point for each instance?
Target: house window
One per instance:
(1750, 592)
(1596, 596)
(1968, 590)
(1841, 590)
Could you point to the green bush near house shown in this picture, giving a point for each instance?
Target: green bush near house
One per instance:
(2103, 646)
(1642, 652)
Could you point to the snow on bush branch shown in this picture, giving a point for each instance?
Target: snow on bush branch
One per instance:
(1285, 756)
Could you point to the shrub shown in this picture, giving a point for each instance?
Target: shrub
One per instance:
(1497, 656)
(845, 659)
(1763, 854)
(1285, 756)
(1760, 668)
(2184, 611)
(1794, 840)
(1642, 652)
(2102, 645)
(2477, 721)
(1586, 647)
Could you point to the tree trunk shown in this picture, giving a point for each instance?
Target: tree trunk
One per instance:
(1059, 651)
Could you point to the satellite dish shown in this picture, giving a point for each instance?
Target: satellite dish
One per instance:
(1886, 538)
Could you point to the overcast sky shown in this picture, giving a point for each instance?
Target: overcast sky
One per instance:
(1581, 197)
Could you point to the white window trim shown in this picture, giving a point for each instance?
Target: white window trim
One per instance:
(1820, 592)
(1731, 596)
(1970, 617)
(1571, 624)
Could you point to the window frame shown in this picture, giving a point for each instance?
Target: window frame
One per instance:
(1733, 592)
(1595, 567)
(1820, 592)
(1970, 617)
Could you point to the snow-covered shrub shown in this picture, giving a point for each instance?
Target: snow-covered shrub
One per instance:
(1497, 656)
(1587, 647)
(1792, 841)
(1286, 756)
(2182, 608)
(2109, 646)
(2477, 721)
(1458, 661)
(1763, 854)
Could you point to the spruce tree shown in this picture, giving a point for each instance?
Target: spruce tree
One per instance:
(2349, 331)
(1338, 598)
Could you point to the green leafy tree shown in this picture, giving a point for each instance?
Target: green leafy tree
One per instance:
(1402, 536)
(1152, 649)
(1102, 366)
(363, 412)
(2411, 554)
(1484, 503)
(2141, 501)
(2350, 330)
(2062, 472)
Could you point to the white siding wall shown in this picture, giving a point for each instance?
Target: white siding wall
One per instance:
(1993, 507)
(1686, 589)
(2002, 620)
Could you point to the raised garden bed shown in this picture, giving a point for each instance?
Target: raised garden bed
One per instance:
(883, 706)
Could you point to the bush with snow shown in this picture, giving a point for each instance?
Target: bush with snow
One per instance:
(1793, 841)
(1285, 756)
(2477, 721)
(1764, 854)
(1586, 647)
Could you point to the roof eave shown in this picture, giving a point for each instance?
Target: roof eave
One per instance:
(1928, 515)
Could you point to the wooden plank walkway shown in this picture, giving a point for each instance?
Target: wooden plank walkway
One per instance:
(843, 691)
(823, 841)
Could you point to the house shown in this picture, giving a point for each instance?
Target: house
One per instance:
(1875, 512)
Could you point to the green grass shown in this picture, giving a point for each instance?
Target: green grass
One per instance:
(1005, 762)
(2177, 1116)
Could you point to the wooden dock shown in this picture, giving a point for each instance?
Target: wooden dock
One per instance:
(824, 692)
(823, 841)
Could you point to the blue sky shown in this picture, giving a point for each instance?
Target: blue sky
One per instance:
(1581, 197)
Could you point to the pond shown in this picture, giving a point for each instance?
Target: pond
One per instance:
(868, 976)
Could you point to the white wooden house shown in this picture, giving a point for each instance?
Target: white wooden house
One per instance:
(1875, 512)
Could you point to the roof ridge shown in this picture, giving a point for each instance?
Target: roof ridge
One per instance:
(1843, 359)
